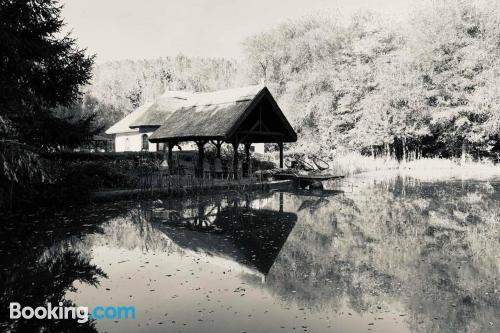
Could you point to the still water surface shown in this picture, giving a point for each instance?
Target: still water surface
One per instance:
(372, 254)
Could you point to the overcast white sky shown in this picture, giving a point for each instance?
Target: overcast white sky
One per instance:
(133, 29)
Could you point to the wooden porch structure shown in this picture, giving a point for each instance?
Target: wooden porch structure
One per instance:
(241, 116)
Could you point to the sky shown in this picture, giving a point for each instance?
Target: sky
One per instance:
(133, 29)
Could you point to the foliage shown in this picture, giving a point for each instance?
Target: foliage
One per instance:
(87, 176)
(52, 265)
(73, 181)
(425, 86)
(72, 156)
(20, 166)
(350, 163)
(20, 163)
(428, 86)
(87, 113)
(121, 86)
(40, 71)
(431, 246)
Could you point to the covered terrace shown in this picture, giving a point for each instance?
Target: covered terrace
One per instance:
(240, 116)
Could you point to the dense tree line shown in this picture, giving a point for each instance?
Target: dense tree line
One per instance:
(428, 85)
(121, 86)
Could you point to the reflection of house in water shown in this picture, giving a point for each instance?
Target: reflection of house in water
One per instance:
(226, 229)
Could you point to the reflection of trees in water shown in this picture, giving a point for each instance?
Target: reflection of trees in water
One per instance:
(41, 266)
(399, 242)
(132, 230)
(433, 247)
(136, 226)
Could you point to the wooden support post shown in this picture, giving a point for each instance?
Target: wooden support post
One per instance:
(170, 146)
(235, 159)
(218, 145)
(280, 144)
(201, 156)
(247, 157)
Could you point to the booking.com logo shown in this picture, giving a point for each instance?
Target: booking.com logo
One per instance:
(81, 313)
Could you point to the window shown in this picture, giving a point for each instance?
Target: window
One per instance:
(145, 142)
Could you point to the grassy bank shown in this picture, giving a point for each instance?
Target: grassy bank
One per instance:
(355, 163)
(352, 163)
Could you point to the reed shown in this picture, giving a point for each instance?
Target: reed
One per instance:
(351, 163)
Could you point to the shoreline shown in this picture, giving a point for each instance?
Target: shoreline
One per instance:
(186, 190)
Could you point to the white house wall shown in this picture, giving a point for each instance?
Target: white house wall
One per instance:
(131, 141)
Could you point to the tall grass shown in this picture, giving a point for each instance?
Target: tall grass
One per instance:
(351, 163)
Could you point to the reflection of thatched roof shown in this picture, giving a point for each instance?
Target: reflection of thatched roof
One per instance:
(253, 237)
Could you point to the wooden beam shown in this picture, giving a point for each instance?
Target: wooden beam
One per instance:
(280, 144)
(259, 128)
(277, 134)
(254, 126)
(201, 155)
(218, 145)
(170, 146)
(235, 159)
(164, 152)
(247, 157)
(190, 138)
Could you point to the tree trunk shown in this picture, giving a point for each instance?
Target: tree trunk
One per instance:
(465, 151)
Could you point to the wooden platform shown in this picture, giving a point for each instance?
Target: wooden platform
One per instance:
(308, 177)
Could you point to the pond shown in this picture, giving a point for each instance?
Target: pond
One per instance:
(370, 254)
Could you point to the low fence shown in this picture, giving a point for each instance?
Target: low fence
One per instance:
(102, 171)
(157, 184)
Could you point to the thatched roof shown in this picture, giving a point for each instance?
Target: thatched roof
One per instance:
(151, 114)
(184, 116)
(123, 126)
(159, 111)
(216, 115)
